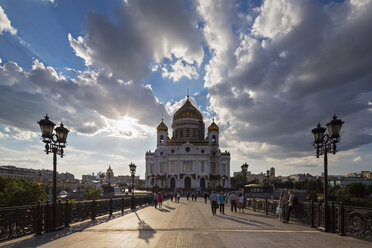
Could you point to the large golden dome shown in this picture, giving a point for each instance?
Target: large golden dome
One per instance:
(187, 111)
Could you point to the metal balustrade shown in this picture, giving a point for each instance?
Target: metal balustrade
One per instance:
(344, 220)
(19, 221)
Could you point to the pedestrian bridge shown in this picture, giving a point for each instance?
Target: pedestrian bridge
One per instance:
(186, 224)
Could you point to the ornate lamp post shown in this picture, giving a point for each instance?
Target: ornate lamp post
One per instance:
(268, 177)
(324, 143)
(223, 181)
(244, 171)
(54, 142)
(153, 183)
(132, 168)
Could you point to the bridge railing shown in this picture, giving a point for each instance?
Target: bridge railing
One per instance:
(19, 221)
(344, 220)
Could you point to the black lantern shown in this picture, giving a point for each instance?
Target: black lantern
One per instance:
(61, 133)
(244, 167)
(46, 127)
(334, 128)
(318, 133)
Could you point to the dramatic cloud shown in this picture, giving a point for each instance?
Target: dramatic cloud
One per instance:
(5, 25)
(147, 32)
(178, 70)
(297, 64)
(84, 103)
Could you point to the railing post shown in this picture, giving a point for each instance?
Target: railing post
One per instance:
(332, 219)
(319, 213)
(47, 217)
(67, 214)
(38, 220)
(59, 215)
(122, 205)
(254, 204)
(93, 210)
(312, 220)
(341, 216)
(110, 207)
(266, 206)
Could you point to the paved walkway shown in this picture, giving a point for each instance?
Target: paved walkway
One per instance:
(187, 224)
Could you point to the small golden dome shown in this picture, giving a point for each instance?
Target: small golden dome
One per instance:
(187, 111)
(213, 127)
(162, 127)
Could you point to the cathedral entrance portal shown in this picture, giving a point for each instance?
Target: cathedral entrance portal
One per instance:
(202, 183)
(187, 183)
(173, 183)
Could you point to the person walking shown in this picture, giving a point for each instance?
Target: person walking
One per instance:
(205, 197)
(171, 196)
(155, 199)
(221, 198)
(196, 195)
(227, 199)
(281, 207)
(241, 203)
(213, 199)
(192, 196)
(291, 197)
(187, 195)
(178, 197)
(160, 200)
(233, 201)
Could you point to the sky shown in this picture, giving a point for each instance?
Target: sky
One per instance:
(266, 71)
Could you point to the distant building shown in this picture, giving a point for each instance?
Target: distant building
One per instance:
(344, 181)
(30, 175)
(364, 174)
(66, 176)
(89, 178)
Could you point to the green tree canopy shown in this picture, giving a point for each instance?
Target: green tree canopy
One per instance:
(237, 182)
(19, 192)
(91, 193)
(358, 190)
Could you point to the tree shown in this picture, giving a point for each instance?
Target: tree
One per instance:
(237, 182)
(91, 193)
(370, 188)
(358, 190)
(18, 192)
(312, 196)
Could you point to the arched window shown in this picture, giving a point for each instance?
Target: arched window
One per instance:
(161, 139)
(214, 138)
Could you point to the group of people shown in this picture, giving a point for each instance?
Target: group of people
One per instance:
(286, 206)
(219, 201)
(158, 199)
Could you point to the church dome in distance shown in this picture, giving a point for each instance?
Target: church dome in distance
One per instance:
(187, 111)
(213, 127)
(162, 127)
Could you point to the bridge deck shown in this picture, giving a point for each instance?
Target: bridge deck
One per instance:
(187, 224)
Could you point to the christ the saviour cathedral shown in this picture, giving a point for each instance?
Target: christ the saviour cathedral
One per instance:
(188, 160)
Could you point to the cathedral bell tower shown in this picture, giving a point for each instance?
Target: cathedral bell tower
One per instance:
(162, 134)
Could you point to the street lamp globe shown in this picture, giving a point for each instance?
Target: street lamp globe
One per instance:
(318, 133)
(334, 128)
(61, 133)
(46, 127)
(132, 168)
(244, 167)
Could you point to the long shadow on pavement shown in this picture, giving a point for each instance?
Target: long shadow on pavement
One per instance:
(255, 221)
(145, 231)
(245, 222)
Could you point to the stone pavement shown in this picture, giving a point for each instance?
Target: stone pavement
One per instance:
(187, 224)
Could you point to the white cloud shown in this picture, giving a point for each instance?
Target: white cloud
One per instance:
(5, 25)
(178, 70)
(357, 159)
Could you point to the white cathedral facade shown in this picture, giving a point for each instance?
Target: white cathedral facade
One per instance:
(188, 160)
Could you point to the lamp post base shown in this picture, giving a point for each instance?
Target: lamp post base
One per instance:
(132, 203)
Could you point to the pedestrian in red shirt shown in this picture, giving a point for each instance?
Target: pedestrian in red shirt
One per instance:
(160, 200)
